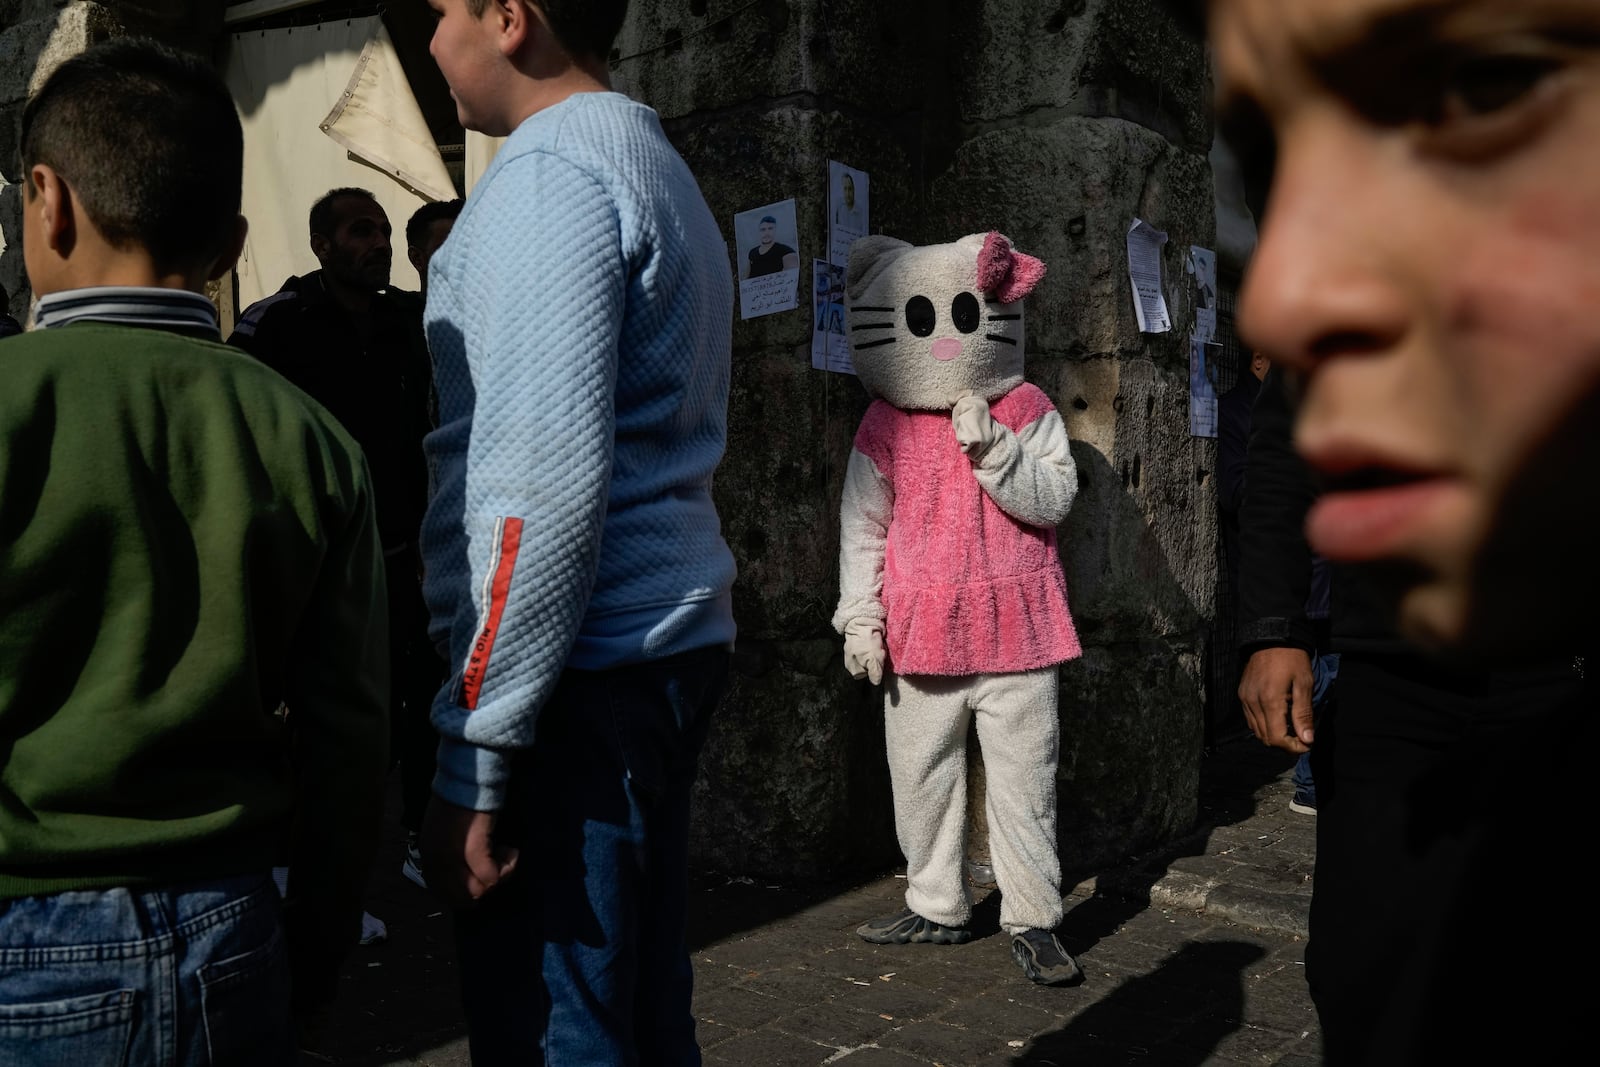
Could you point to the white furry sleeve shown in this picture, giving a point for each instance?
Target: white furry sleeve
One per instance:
(864, 511)
(1030, 474)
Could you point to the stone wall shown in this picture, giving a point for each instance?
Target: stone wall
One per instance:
(1056, 123)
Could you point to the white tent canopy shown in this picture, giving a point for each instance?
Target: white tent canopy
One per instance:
(325, 106)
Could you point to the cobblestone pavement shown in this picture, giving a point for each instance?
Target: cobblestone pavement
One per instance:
(1192, 955)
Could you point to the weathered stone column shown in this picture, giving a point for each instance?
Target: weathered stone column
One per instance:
(1057, 124)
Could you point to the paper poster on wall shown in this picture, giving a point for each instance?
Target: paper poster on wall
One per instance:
(768, 244)
(1203, 386)
(847, 210)
(830, 338)
(1202, 267)
(1144, 273)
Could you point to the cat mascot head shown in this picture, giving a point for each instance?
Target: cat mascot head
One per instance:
(930, 325)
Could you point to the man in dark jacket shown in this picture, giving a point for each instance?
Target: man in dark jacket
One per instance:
(356, 346)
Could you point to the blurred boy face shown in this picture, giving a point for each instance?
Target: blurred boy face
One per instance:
(1429, 264)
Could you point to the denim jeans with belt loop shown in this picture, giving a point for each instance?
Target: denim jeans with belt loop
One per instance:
(189, 975)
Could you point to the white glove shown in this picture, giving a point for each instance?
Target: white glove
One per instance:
(976, 430)
(864, 654)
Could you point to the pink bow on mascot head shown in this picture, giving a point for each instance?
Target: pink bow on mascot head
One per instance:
(1004, 274)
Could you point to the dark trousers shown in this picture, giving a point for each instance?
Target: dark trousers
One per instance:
(416, 674)
(1452, 815)
(579, 957)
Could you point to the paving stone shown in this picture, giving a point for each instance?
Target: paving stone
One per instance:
(794, 985)
(1297, 1058)
(1000, 1017)
(941, 1042)
(760, 953)
(901, 1003)
(1286, 1002)
(769, 1048)
(1262, 908)
(879, 1057)
(737, 1007)
(710, 1034)
(835, 1022)
(1229, 1041)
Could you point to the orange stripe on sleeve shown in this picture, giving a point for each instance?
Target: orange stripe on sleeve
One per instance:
(478, 660)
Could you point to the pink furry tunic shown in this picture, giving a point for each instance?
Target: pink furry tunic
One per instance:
(967, 588)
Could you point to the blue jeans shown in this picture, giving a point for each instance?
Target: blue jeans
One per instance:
(193, 975)
(1324, 672)
(579, 957)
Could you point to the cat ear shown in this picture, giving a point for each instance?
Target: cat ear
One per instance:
(868, 258)
(1004, 274)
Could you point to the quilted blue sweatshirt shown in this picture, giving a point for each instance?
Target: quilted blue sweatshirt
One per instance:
(580, 318)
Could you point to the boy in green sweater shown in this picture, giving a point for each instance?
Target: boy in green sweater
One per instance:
(187, 546)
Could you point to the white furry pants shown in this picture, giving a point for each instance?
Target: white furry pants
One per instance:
(925, 719)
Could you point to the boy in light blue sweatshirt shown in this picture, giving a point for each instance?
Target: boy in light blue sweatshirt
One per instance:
(580, 320)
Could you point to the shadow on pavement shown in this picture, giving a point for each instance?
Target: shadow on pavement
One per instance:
(1175, 1015)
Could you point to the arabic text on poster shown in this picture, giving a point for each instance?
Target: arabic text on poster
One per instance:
(767, 245)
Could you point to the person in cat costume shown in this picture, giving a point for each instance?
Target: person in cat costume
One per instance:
(952, 595)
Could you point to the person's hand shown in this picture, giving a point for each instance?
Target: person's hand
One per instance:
(864, 654)
(1275, 681)
(459, 853)
(976, 430)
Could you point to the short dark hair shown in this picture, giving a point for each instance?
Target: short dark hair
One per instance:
(322, 210)
(428, 214)
(149, 141)
(585, 28)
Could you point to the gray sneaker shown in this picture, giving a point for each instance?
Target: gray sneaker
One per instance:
(906, 927)
(1043, 960)
(412, 867)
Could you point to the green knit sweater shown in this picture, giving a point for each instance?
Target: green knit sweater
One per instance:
(187, 545)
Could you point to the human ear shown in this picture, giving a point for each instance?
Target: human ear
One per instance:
(515, 21)
(320, 246)
(230, 254)
(59, 207)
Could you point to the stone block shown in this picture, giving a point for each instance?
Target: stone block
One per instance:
(1131, 739)
(682, 58)
(1067, 192)
(746, 160)
(886, 57)
(12, 274)
(188, 24)
(778, 488)
(42, 38)
(1139, 545)
(1115, 58)
(11, 141)
(794, 783)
